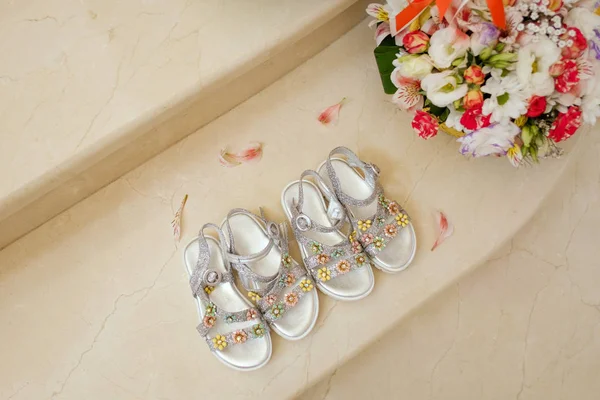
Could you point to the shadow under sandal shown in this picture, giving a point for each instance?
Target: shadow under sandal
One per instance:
(279, 286)
(379, 224)
(340, 267)
(234, 330)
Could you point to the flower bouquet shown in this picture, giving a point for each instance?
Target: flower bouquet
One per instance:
(507, 79)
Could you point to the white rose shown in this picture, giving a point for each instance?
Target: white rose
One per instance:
(443, 89)
(446, 45)
(413, 66)
(583, 19)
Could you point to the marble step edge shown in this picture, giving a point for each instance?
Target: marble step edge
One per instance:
(123, 150)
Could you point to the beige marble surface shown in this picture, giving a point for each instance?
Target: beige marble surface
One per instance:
(525, 325)
(89, 90)
(98, 297)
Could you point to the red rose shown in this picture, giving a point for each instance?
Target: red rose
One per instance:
(473, 118)
(415, 42)
(569, 75)
(578, 43)
(425, 124)
(565, 125)
(537, 106)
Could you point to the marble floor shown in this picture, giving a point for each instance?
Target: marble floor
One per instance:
(525, 325)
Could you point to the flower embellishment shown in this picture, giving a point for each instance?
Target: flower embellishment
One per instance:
(287, 280)
(382, 200)
(393, 208)
(402, 219)
(277, 310)
(363, 225)
(209, 289)
(211, 309)
(306, 285)
(337, 253)
(271, 299)
(323, 259)
(258, 330)
(367, 238)
(291, 299)
(239, 337)
(230, 319)
(316, 248)
(360, 260)
(379, 243)
(209, 321)
(343, 266)
(390, 230)
(324, 274)
(219, 342)
(254, 296)
(286, 260)
(356, 247)
(352, 237)
(380, 221)
(251, 314)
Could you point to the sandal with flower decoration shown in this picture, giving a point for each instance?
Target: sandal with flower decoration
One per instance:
(381, 226)
(339, 266)
(279, 286)
(234, 330)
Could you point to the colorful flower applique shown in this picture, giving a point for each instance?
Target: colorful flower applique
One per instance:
(306, 285)
(230, 319)
(209, 289)
(271, 299)
(393, 208)
(364, 225)
(343, 266)
(352, 237)
(337, 253)
(379, 243)
(360, 260)
(291, 299)
(402, 219)
(286, 260)
(324, 274)
(323, 259)
(316, 248)
(211, 309)
(219, 342)
(367, 238)
(209, 321)
(287, 280)
(356, 247)
(239, 337)
(258, 330)
(277, 310)
(251, 314)
(254, 296)
(390, 230)
(380, 221)
(382, 200)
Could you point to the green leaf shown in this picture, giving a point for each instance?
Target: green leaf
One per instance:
(437, 111)
(384, 57)
(485, 53)
(444, 115)
(526, 135)
(502, 99)
(499, 47)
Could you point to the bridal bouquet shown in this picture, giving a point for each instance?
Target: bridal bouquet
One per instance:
(509, 78)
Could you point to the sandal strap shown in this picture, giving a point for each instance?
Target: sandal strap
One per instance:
(202, 276)
(278, 306)
(240, 336)
(371, 172)
(212, 313)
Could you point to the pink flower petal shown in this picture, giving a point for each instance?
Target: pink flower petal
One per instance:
(382, 31)
(446, 229)
(407, 96)
(331, 113)
(252, 152)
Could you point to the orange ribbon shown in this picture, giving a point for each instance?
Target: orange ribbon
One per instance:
(416, 7)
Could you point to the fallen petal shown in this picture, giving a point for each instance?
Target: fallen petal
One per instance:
(176, 223)
(252, 152)
(227, 159)
(331, 113)
(446, 229)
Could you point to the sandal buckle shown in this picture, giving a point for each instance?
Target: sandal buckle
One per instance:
(303, 223)
(273, 230)
(212, 277)
(374, 168)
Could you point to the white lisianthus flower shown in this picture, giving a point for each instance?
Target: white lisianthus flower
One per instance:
(495, 139)
(590, 103)
(413, 66)
(508, 98)
(448, 44)
(443, 88)
(584, 19)
(533, 66)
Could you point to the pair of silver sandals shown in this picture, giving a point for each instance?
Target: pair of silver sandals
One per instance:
(343, 223)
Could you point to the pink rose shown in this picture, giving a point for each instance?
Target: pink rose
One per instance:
(565, 125)
(537, 106)
(577, 47)
(415, 42)
(474, 74)
(425, 124)
(473, 98)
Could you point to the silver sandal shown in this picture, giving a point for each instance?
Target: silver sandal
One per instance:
(243, 341)
(339, 266)
(279, 286)
(381, 225)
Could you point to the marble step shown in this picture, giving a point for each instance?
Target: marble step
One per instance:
(98, 295)
(90, 90)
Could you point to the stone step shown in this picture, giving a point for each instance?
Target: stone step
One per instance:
(90, 90)
(98, 295)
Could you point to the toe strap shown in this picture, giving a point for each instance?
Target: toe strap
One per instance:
(223, 341)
